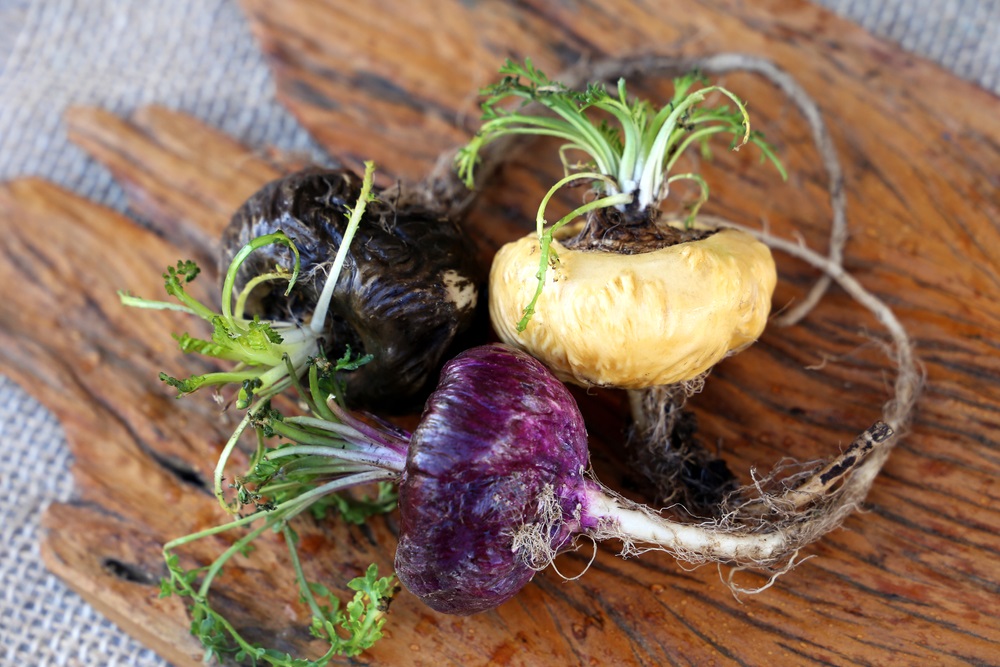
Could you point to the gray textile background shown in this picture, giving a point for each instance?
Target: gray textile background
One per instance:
(197, 55)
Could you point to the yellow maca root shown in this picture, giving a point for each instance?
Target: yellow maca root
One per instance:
(635, 321)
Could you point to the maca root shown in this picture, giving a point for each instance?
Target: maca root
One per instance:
(792, 509)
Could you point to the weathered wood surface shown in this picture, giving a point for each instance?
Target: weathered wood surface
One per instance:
(912, 580)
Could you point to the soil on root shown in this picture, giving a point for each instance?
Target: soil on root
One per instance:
(629, 233)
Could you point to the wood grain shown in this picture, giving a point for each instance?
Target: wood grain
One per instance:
(911, 580)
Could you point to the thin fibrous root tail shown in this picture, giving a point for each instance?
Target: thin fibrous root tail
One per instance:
(766, 534)
(817, 485)
(656, 410)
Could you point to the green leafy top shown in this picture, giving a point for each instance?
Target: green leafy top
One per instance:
(257, 347)
(348, 630)
(635, 157)
(267, 353)
(629, 164)
(329, 451)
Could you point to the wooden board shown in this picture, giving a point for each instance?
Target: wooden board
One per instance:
(911, 580)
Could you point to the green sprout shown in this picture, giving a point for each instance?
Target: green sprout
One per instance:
(319, 456)
(330, 451)
(628, 165)
(349, 630)
(634, 158)
(258, 347)
(269, 355)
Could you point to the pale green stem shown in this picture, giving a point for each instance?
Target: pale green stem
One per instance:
(391, 463)
(587, 175)
(653, 172)
(283, 512)
(227, 451)
(236, 547)
(319, 399)
(241, 300)
(701, 199)
(300, 576)
(323, 305)
(149, 304)
(545, 236)
(342, 430)
(690, 139)
(229, 284)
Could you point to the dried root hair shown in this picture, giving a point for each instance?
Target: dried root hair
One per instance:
(662, 443)
(533, 541)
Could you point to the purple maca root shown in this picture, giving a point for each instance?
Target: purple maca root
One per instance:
(494, 483)
(498, 433)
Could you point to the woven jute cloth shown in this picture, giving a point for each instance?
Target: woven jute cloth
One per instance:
(198, 56)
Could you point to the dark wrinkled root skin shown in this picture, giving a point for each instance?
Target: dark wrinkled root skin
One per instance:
(395, 297)
(498, 432)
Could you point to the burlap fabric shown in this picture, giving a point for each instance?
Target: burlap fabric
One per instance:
(198, 55)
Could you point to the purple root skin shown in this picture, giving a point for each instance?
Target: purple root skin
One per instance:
(495, 485)
(497, 432)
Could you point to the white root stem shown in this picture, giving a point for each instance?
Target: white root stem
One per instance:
(696, 543)
(764, 541)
